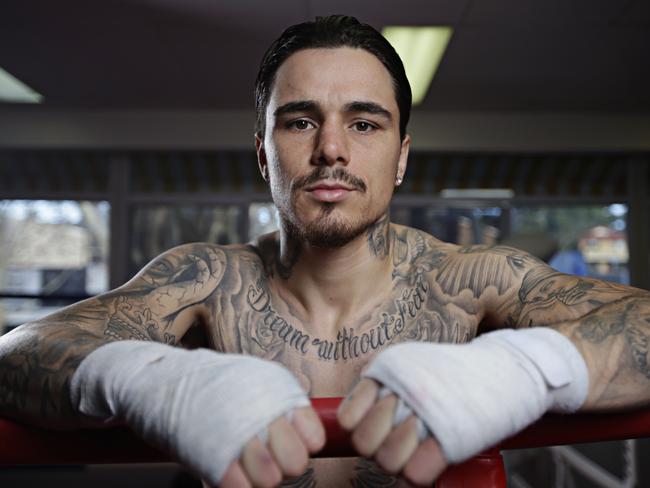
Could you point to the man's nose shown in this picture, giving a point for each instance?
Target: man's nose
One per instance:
(331, 146)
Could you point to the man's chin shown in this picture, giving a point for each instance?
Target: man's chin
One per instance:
(327, 232)
(330, 240)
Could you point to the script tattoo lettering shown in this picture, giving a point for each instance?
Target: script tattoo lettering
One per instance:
(378, 240)
(260, 301)
(412, 314)
(348, 344)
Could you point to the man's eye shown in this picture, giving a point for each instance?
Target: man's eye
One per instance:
(363, 126)
(300, 124)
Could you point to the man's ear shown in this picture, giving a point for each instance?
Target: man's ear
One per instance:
(261, 156)
(403, 159)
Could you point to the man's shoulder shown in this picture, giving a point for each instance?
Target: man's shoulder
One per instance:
(405, 232)
(227, 258)
(410, 244)
(229, 250)
(457, 267)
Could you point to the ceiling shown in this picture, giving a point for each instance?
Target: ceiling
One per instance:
(523, 55)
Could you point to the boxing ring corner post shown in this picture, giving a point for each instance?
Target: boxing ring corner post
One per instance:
(23, 445)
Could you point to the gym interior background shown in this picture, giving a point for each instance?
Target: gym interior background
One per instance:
(535, 132)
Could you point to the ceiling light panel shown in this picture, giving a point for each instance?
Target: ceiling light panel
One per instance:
(421, 50)
(14, 90)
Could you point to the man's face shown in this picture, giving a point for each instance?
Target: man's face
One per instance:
(332, 147)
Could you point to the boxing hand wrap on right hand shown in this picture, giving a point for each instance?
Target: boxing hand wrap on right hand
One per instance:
(471, 396)
(200, 405)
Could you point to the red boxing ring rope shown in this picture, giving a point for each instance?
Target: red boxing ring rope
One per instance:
(21, 444)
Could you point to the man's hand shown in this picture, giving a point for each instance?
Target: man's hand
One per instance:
(396, 449)
(469, 396)
(285, 454)
(202, 407)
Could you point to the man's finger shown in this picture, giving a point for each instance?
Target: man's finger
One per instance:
(357, 404)
(287, 448)
(310, 428)
(234, 477)
(259, 465)
(370, 433)
(399, 446)
(426, 463)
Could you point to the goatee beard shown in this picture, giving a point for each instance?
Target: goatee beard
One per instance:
(326, 231)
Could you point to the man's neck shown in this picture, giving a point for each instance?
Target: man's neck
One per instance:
(336, 283)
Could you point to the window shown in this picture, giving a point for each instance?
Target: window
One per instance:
(262, 219)
(156, 228)
(589, 240)
(52, 253)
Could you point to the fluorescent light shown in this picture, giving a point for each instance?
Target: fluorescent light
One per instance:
(421, 49)
(14, 90)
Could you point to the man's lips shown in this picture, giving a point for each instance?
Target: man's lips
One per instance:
(329, 192)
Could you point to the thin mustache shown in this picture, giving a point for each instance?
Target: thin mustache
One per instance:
(338, 174)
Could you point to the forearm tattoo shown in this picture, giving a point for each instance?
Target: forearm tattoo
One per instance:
(37, 360)
(629, 319)
(605, 320)
(35, 374)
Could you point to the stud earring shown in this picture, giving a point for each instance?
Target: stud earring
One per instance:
(398, 180)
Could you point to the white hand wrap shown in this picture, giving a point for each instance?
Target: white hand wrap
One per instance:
(471, 396)
(202, 406)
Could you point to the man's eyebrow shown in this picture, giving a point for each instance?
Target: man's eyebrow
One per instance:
(297, 106)
(368, 107)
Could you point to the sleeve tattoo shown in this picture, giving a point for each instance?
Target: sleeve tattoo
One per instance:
(38, 359)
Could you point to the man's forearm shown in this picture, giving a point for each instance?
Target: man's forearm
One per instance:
(37, 362)
(614, 341)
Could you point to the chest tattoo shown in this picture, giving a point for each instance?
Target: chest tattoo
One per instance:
(272, 325)
(409, 316)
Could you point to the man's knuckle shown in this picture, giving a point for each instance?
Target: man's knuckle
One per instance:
(362, 443)
(415, 474)
(387, 461)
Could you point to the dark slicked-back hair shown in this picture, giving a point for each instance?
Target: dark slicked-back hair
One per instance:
(331, 32)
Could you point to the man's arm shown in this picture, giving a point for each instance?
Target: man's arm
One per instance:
(607, 322)
(614, 341)
(474, 395)
(74, 368)
(38, 359)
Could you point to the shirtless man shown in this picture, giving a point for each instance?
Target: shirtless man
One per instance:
(338, 293)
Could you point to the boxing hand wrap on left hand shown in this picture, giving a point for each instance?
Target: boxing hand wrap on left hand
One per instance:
(471, 396)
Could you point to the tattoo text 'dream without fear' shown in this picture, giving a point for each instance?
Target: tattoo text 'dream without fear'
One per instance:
(348, 344)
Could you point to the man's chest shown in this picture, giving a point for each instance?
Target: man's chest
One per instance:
(328, 360)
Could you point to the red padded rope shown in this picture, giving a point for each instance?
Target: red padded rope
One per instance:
(20, 444)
